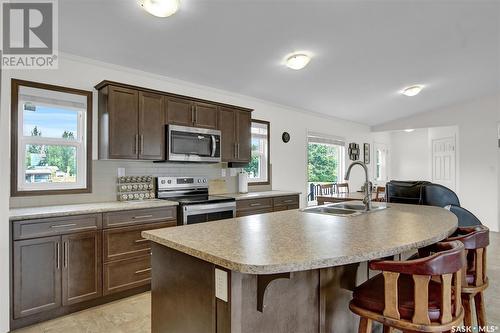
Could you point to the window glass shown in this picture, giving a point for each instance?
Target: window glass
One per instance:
(49, 122)
(50, 164)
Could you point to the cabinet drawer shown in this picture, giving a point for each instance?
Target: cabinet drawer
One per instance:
(55, 226)
(288, 200)
(127, 242)
(253, 212)
(254, 204)
(139, 216)
(126, 274)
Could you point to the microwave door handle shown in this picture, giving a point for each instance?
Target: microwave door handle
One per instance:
(214, 146)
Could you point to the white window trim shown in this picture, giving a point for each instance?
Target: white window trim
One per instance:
(80, 143)
(263, 167)
(385, 166)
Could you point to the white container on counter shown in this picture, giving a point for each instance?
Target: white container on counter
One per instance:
(243, 182)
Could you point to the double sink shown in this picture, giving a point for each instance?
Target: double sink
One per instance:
(345, 209)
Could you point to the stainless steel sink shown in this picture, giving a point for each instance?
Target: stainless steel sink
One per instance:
(343, 209)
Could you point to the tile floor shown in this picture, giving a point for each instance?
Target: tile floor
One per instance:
(132, 315)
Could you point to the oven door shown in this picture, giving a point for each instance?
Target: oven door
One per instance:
(198, 213)
(191, 144)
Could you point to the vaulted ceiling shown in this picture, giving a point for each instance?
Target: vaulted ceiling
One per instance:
(364, 52)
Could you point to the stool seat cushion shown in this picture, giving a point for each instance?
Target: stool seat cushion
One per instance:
(370, 296)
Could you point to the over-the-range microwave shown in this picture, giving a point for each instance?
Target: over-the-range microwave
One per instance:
(192, 144)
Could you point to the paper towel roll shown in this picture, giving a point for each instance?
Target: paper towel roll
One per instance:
(243, 182)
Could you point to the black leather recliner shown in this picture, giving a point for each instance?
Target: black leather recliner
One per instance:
(427, 193)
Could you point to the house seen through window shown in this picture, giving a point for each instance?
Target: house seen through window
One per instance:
(258, 168)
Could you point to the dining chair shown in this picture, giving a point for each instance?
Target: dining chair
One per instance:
(380, 194)
(343, 186)
(326, 189)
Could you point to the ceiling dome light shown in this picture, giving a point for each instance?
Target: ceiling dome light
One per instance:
(412, 90)
(409, 130)
(297, 61)
(160, 8)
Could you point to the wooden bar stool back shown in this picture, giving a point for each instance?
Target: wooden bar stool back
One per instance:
(405, 297)
(475, 281)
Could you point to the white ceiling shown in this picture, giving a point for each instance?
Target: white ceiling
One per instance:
(364, 51)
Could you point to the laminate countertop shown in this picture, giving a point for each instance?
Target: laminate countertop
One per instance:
(258, 195)
(293, 240)
(88, 208)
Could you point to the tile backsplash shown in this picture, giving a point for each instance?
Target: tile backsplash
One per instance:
(104, 175)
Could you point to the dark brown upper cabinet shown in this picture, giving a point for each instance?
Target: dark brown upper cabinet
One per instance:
(132, 122)
(235, 126)
(185, 112)
(151, 126)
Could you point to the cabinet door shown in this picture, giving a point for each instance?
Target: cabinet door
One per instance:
(180, 112)
(123, 123)
(81, 267)
(37, 275)
(205, 115)
(227, 126)
(244, 136)
(151, 126)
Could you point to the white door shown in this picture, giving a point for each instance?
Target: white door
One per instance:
(443, 162)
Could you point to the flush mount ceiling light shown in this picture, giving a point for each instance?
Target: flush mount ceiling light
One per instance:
(412, 90)
(409, 130)
(160, 8)
(297, 60)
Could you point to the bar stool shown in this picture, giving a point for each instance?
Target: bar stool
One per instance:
(405, 297)
(474, 281)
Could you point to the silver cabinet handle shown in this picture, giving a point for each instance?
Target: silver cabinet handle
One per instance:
(136, 144)
(192, 114)
(142, 271)
(58, 255)
(142, 217)
(142, 240)
(287, 201)
(65, 254)
(255, 204)
(238, 145)
(63, 225)
(235, 144)
(142, 144)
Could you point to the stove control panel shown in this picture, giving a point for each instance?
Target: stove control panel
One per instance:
(165, 183)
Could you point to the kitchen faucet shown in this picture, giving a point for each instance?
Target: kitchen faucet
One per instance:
(368, 196)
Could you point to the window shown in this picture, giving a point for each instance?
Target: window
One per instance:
(258, 168)
(51, 133)
(381, 156)
(325, 161)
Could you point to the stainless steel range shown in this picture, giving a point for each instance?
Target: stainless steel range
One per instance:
(195, 204)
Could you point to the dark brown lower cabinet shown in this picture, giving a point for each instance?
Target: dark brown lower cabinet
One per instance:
(125, 274)
(248, 207)
(81, 267)
(36, 275)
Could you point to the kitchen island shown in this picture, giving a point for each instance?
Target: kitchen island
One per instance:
(287, 271)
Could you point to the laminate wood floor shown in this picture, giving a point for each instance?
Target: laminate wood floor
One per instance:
(133, 314)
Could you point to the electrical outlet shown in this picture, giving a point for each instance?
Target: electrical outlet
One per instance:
(121, 172)
(221, 284)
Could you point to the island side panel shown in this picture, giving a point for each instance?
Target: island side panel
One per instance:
(290, 305)
(182, 293)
